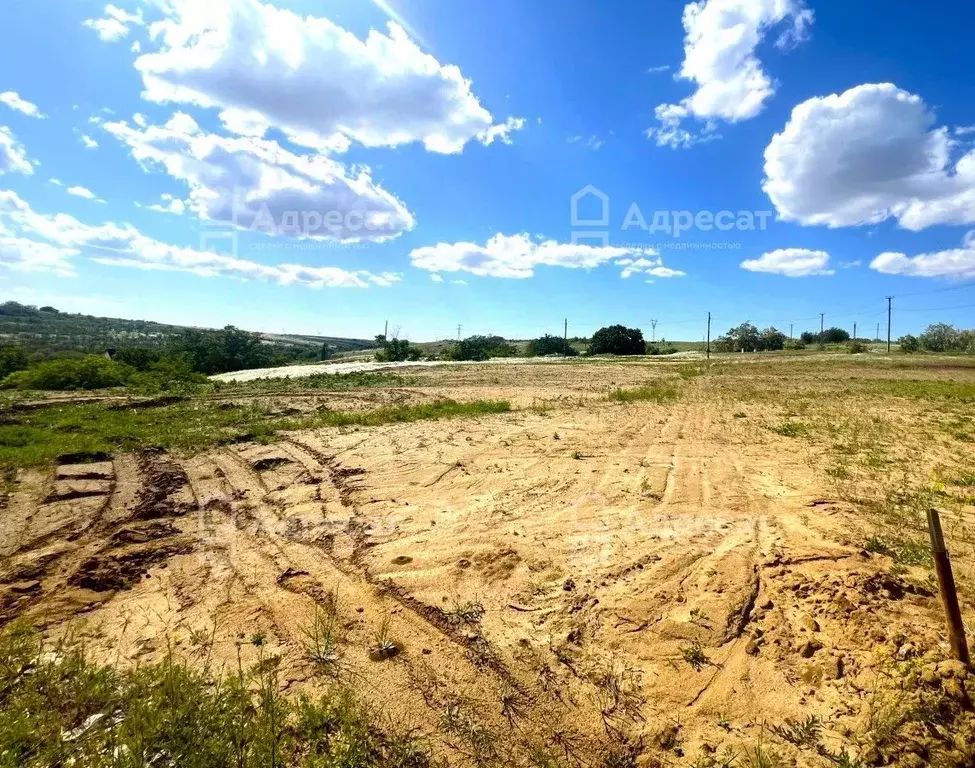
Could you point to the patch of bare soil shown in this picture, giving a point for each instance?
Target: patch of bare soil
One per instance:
(654, 578)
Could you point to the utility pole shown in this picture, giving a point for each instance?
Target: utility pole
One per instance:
(386, 330)
(790, 331)
(821, 316)
(458, 331)
(653, 333)
(889, 299)
(877, 337)
(709, 337)
(565, 339)
(854, 331)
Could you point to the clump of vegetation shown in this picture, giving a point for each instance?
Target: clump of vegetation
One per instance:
(829, 336)
(747, 338)
(550, 345)
(91, 372)
(695, 655)
(653, 392)
(396, 350)
(617, 340)
(59, 708)
(37, 437)
(857, 347)
(481, 348)
(790, 429)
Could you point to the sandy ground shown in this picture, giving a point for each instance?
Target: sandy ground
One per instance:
(560, 578)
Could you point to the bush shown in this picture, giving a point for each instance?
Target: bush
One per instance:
(70, 373)
(396, 350)
(617, 340)
(909, 344)
(550, 345)
(794, 344)
(482, 348)
(856, 347)
(222, 351)
(13, 357)
(835, 336)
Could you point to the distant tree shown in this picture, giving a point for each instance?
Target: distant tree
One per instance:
(743, 338)
(395, 350)
(808, 337)
(772, 339)
(940, 337)
(482, 348)
(230, 349)
(138, 357)
(909, 344)
(617, 340)
(327, 351)
(550, 345)
(835, 336)
(13, 357)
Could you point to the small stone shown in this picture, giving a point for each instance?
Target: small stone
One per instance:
(752, 648)
(808, 648)
(767, 605)
(813, 674)
(25, 587)
(810, 623)
(569, 585)
(402, 560)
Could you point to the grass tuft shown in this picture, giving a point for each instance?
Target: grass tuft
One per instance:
(655, 393)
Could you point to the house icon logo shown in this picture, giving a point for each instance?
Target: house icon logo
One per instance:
(580, 226)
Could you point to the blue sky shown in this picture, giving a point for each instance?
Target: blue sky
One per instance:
(155, 155)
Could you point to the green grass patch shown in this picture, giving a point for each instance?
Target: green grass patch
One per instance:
(655, 393)
(791, 429)
(37, 437)
(59, 708)
(331, 382)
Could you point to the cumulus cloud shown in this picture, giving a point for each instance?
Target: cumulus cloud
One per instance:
(114, 24)
(646, 266)
(719, 59)
(22, 254)
(13, 156)
(89, 142)
(254, 183)
(791, 262)
(436, 278)
(955, 263)
(866, 155)
(169, 204)
(84, 192)
(517, 256)
(45, 238)
(311, 78)
(13, 100)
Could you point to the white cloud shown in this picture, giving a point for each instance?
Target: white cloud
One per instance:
(89, 142)
(719, 58)
(436, 278)
(255, 183)
(866, 155)
(114, 25)
(22, 254)
(81, 192)
(593, 142)
(311, 78)
(643, 265)
(169, 204)
(62, 236)
(459, 282)
(516, 256)
(12, 99)
(136, 47)
(140, 120)
(502, 131)
(13, 156)
(661, 68)
(791, 262)
(956, 263)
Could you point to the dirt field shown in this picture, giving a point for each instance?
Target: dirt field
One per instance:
(673, 581)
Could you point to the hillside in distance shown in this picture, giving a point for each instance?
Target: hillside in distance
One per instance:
(48, 331)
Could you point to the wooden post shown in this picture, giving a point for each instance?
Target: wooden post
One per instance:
(946, 581)
(709, 336)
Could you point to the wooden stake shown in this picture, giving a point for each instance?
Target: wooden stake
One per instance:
(946, 581)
